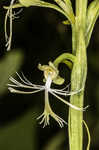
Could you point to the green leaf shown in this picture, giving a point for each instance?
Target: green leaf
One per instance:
(37, 3)
(67, 7)
(9, 64)
(28, 3)
(20, 134)
(92, 15)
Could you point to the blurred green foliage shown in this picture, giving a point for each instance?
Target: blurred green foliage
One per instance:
(9, 64)
(20, 134)
(56, 142)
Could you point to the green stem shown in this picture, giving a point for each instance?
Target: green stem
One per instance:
(78, 76)
(66, 58)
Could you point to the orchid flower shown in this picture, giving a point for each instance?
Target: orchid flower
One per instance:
(51, 74)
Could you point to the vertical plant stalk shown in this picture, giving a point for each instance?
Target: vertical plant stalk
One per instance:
(78, 76)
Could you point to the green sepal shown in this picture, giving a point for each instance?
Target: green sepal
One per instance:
(59, 80)
(42, 67)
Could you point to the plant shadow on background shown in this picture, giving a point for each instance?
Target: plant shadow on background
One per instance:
(38, 34)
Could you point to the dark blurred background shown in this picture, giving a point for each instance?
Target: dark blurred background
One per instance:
(40, 36)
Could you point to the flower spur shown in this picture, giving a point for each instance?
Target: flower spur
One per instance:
(51, 74)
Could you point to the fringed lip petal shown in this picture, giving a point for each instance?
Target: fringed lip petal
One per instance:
(44, 119)
(45, 116)
(60, 121)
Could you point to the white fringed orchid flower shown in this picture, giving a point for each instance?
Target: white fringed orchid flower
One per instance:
(51, 74)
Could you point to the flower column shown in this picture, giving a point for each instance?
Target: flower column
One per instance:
(78, 76)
